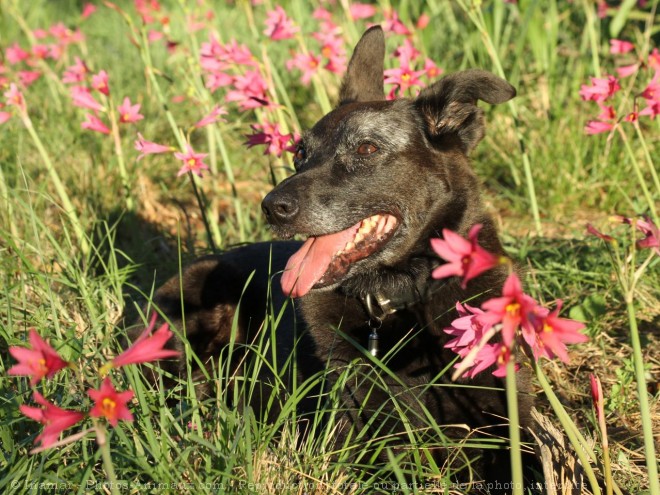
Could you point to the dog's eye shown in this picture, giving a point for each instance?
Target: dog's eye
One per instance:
(366, 149)
(300, 154)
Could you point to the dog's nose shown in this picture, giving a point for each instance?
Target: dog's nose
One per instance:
(279, 209)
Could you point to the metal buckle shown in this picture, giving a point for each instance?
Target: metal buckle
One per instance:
(383, 304)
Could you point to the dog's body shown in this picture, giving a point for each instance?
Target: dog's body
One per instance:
(403, 166)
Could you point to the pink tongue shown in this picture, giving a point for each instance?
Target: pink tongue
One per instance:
(307, 265)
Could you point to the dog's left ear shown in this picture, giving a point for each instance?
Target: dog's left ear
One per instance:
(364, 77)
(449, 107)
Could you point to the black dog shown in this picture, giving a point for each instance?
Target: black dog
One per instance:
(375, 181)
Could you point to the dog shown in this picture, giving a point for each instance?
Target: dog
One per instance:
(375, 180)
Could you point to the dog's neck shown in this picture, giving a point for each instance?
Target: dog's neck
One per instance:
(393, 289)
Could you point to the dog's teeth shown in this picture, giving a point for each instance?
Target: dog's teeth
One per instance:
(358, 238)
(391, 223)
(382, 221)
(350, 246)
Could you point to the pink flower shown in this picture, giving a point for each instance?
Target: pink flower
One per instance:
(654, 59)
(218, 79)
(498, 353)
(423, 21)
(27, 77)
(55, 51)
(155, 35)
(278, 25)
(148, 148)
(193, 24)
(148, 10)
(83, 98)
(512, 310)
(605, 122)
(361, 11)
(276, 142)
(393, 23)
(404, 77)
(467, 259)
(66, 35)
(192, 162)
(467, 330)
(40, 51)
(4, 117)
(620, 46)
(592, 230)
(432, 71)
(652, 90)
(307, 63)
(554, 332)
(100, 82)
(606, 112)
(250, 90)
(652, 109)
(110, 404)
(39, 362)
(631, 117)
(75, 73)
(93, 123)
(597, 127)
(332, 48)
(601, 89)
(597, 398)
(212, 117)
(234, 53)
(54, 419)
(652, 233)
(406, 53)
(15, 54)
(129, 113)
(88, 9)
(148, 347)
(490, 354)
(15, 98)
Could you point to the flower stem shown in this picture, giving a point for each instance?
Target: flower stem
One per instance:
(607, 465)
(69, 210)
(647, 426)
(640, 176)
(647, 155)
(203, 209)
(514, 428)
(475, 14)
(120, 158)
(178, 134)
(102, 442)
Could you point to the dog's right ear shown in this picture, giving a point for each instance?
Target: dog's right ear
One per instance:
(364, 78)
(449, 107)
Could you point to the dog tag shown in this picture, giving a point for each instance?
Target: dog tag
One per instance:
(373, 343)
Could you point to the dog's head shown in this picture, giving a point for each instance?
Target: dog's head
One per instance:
(374, 178)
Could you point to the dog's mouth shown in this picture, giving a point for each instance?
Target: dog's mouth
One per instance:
(324, 260)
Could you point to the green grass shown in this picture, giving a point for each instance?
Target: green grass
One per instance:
(76, 299)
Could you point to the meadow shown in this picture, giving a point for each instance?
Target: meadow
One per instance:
(138, 135)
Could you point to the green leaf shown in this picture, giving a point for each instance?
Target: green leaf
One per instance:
(621, 17)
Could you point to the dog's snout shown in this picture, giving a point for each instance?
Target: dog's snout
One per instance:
(279, 209)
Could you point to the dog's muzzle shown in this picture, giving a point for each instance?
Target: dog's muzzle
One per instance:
(279, 209)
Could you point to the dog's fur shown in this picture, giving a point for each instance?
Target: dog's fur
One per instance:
(418, 173)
